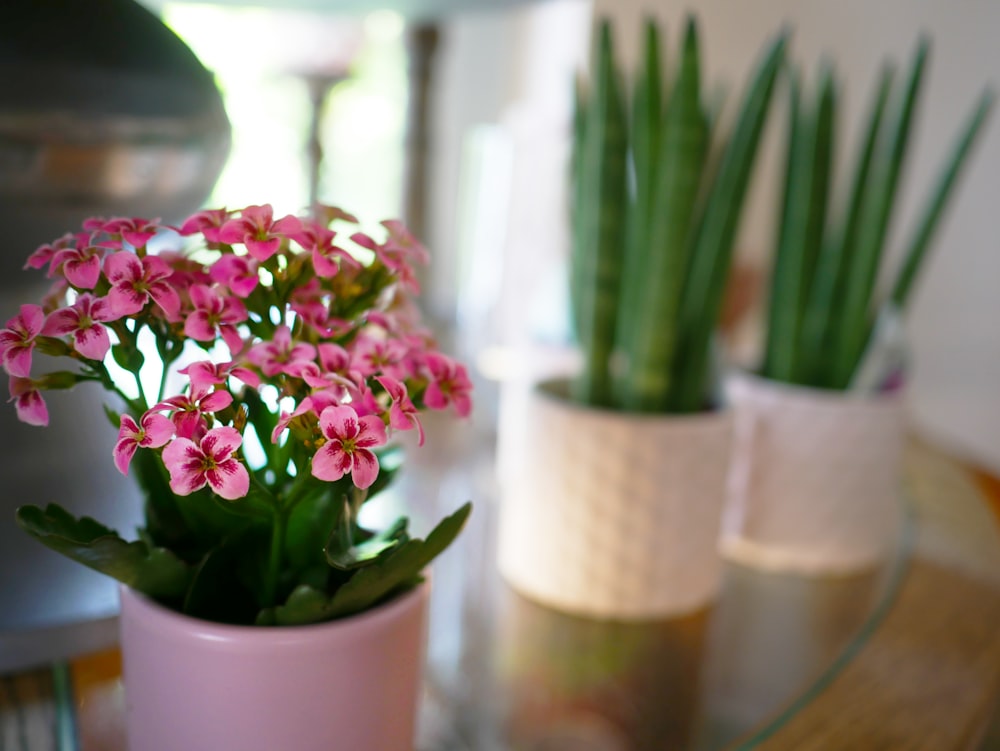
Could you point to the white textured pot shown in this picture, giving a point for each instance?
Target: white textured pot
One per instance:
(350, 684)
(609, 514)
(815, 479)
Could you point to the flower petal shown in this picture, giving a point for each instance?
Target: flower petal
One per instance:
(339, 421)
(372, 432)
(92, 342)
(184, 460)
(365, 468)
(84, 272)
(229, 479)
(31, 409)
(17, 361)
(198, 327)
(166, 297)
(123, 452)
(331, 462)
(219, 443)
(215, 401)
(123, 267)
(157, 430)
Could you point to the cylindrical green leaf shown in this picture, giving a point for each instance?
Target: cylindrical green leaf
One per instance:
(713, 244)
(599, 229)
(935, 207)
(823, 310)
(876, 213)
(656, 299)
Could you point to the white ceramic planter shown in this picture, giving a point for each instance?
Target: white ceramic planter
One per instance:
(815, 480)
(350, 685)
(611, 515)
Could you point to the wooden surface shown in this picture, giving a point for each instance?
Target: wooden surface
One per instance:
(929, 676)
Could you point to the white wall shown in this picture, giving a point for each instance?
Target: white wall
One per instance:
(955, 312)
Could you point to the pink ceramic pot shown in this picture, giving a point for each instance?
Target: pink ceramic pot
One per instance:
(348, 685)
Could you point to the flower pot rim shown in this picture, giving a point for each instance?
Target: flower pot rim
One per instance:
(774, 386)
(555, 391)
(212, 630)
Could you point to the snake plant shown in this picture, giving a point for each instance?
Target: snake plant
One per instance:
(823, 303)
(656, 199)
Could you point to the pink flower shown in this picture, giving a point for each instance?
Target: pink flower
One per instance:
(325, 214)
(277, 355)
(311, 303)
(215, 315)
(372, 355)
(205, 374)
(402, 244)
(135, 231)
(44, 253)
(397, 253)
(318, 240)
(208, 223)
(80, 265)
(239, 273)
(348, 440)
(449, 384)
(187, 410)
(402, 412)
(18, 339)
(152, 431)
(134, 281)
(83, 320)
(333, 370)
(28, 401)
(212, 461)
(256, 228)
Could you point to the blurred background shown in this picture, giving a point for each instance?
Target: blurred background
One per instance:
(454, 114)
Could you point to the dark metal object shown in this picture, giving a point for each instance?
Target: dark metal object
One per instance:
(103, 111)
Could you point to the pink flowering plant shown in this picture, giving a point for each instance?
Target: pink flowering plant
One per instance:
(260, 368)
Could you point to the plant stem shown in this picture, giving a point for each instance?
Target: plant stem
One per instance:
(276, 557)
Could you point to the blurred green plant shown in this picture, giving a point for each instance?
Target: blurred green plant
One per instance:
(823, 303)
(656, 198)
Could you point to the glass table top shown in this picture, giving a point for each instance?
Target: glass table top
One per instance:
(507, 673)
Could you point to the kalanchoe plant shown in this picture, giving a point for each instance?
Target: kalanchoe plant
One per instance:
(657, 195)
(824, 302)
(263, 366)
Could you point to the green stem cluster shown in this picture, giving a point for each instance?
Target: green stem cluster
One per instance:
(823, 302)
(655, 211)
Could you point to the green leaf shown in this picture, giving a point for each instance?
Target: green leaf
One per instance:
(156, 572)
(401, 567)
(646, 126)
(114, 417)
(310, 522)
(344, 553)
(823, 311)
(657, 294)
(599, 224)
(938, 201)
(220, 590)
(718, 224)
(801, 228)
(876, 213)
(128, 357)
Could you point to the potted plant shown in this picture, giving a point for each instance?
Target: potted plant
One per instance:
(612, 506)
(260, 367)
(820, 425)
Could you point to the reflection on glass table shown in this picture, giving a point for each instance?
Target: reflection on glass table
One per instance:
(776, 660)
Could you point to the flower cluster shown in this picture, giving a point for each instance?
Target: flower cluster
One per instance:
(261, 366)
(315, 320)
